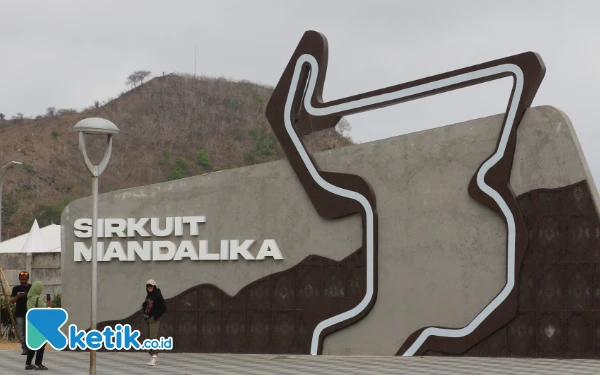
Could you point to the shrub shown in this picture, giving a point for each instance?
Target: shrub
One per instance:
(179, 169)
(175, 174)
(54, 134)
(166, 157)
(266, 147)
(181, 164)
(29, 168)
(203, 160)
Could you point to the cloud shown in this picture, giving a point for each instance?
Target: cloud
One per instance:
(69, 53)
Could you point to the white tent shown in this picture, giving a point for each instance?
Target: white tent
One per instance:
(45, 240)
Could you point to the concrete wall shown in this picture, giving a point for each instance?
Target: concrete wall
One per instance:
(259, 202)
(442, 257)
(45, 268)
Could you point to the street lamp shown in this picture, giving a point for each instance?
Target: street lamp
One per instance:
(4, 169)
(95, 126)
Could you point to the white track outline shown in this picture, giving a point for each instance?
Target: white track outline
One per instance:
(427, 87)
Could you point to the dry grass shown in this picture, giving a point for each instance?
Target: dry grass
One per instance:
(182, 114)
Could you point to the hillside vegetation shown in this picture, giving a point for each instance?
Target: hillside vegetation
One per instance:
(172, 127)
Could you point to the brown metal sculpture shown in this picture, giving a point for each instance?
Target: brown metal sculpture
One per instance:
(296, 108)
(294, 310)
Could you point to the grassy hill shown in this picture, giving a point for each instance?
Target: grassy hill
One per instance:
(172, 127)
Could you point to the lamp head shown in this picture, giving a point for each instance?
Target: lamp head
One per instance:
(97, 126)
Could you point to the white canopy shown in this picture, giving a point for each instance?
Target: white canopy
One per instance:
(45, 240)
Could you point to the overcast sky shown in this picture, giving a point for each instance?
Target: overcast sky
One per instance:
(66, 54)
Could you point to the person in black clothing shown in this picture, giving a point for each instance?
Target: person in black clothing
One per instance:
(19, 297)
(153, 308)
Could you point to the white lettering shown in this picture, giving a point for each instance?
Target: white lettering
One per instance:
(178, 226)
(156, 250)
(162, 250)
(194, 221)
(115, 226)
(154, 226)
(204, 254)
(134, 226)
(186, 249)
(115, 249)
(269, 248)
(100, 251)
(236, 248)
(224, 250)
(142, 252)
(83, 228)
(80, 249)
(100, 229)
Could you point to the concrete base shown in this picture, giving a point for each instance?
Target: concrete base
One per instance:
(442, 256)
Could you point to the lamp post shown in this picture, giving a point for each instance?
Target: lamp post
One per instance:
(4, 169)
(95, 126)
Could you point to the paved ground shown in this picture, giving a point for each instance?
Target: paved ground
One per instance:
(69, 363)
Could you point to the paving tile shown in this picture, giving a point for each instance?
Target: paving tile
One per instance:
(70, 363)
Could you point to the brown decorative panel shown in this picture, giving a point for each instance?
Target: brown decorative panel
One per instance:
(596, 292)
(527, 286)
(578, 285)
(211, 331)
(579, 335)
(521, 335)
(284, 292)
(549, 287)
(167, 321)
(495, 345)
(211, 298)
(283, 332)
(549, 334)
(259, 331)
(549, 237)
(187, 330)
(558, 311)
(188, 300)
(276, 314)
(234, 331)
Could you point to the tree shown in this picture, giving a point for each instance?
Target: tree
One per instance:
(10, 205)
(2, 116)
(49, 213)
(96, 104)
(343, 128)
(137, 78)
(51, 111)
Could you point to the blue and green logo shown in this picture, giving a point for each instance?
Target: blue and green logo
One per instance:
(43, 326)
